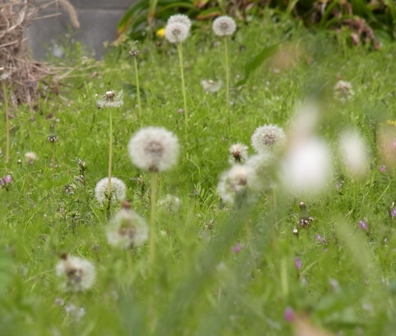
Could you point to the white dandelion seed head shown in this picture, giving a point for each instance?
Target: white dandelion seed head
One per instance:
(260, 168)
(111, 99)
(180, 18)
(239, 153)
(80, 273)
(30, 157)
(233, 182)
(354, 153)
(304, 121)
(268, 137)
(343, 91)
(154, 149)
(117, 190)
(127, 229)
(306, 167)
(171, 203)
(211, 86)
(224, 26)
(176, 32)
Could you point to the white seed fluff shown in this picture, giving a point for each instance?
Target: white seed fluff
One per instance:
(154, 149)
(306, 167)
(268, 137)
(109, 100)
(127, 229)
(239, 153)
(233, 182)
(211, 86)
(343, 91)
(30, 157)
(180, 18)
(224, 26)
(117, 190)
(80, 273)
(354, 153)
(176, 32)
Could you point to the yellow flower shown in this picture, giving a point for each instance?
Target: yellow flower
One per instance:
(391, 122)
(161, 32)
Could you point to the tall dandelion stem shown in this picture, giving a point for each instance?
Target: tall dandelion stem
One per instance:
(227, 69)
(110, 153)
(5, 97)
(154, 183)
(180, 50)
(138, 89)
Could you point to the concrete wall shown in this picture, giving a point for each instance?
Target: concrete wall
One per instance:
(98, 20)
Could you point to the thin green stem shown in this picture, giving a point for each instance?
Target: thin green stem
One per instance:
(5, 97)
(154, 184)
(227, 69)
(180, 50)
(110, 153)
(138, 89)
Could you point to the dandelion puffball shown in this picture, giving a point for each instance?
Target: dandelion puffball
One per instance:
(154, 149)
(238, 153)
(30, 157)
(80, 273)
(117, 190)
(127, 229)
(354, 153)
(306, 167)
(233, 182)
(176, 32)
(180, 18)
(268, 137)
(224, 26)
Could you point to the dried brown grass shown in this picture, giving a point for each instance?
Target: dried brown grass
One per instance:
(21, 74)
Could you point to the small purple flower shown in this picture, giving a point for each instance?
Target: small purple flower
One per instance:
(1, 182)
(8, 179)
(298, 262)
(289, 314)
(393, 212)
(320, 239)
(237, 248)
(180, 111)
(363, 225)
(383, 168)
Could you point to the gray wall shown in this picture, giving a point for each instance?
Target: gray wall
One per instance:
(98, 23)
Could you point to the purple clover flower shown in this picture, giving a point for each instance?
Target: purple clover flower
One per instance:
(1, 182)
(180, 111)
(289, 314)
(8, 179)
(237, 248)
(298, 262)
(383, 168)
(363, 225)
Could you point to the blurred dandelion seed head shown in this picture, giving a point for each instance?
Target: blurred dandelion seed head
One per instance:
(176, 32)
(154, 149)
(127, 229)
(224, 26)
(239, 153)
(80, 273)
(180, 18)
(211, 86)
(117, 190)
(268, 137)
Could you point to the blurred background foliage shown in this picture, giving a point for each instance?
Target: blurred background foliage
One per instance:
(365, 21)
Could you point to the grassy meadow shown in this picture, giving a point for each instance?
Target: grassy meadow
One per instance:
(219, 269)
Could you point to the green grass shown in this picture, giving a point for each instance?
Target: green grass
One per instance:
(198, 286)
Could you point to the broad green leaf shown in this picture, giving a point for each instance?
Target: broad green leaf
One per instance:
(257, 61)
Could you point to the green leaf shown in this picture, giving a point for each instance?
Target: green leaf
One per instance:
(257, 61)
(209, 13)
